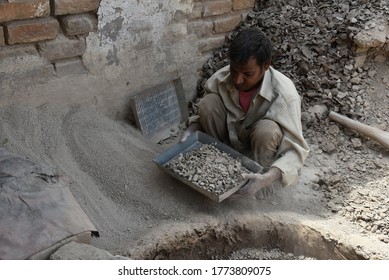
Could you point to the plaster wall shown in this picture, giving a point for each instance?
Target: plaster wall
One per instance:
(140, 44)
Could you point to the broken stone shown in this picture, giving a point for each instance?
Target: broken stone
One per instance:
(317, 49)
(215, 171)
(329, 147)
(356, 142)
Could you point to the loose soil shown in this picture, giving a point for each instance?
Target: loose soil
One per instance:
(341, 200)
(264, 254)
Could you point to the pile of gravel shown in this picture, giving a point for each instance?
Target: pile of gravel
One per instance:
(209, 168)
(322, 46)
(264, 254)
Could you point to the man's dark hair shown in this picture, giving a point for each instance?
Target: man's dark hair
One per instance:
(250, 42)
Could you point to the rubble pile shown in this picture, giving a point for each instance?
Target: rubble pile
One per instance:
(325, 47)
(322, 46)
(372, 216)
(335, 52)
(365, 205)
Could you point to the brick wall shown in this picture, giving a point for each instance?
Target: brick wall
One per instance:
(121, 47)
(211, 20)
(56, 29)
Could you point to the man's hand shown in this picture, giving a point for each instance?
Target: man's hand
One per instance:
(256, 182)
(191, 129)
(260, 182)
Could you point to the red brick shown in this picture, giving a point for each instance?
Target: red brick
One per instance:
(227, 23)
(62, 48)
(211, 43)
(78, 24)
(18, 50)
(215, 8)
(2, 41)
(201, 28)
(24, 10)
(196, 11)
(66, 7)
(33, 30)
(242, 4)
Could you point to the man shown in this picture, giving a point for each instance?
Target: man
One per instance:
(252, 107)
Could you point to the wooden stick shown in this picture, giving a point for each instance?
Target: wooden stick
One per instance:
(373, 133)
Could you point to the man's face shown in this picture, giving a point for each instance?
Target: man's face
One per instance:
(247, 76)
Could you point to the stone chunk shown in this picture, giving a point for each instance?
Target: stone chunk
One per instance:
(28, 31)
(357, 143)
(319, 111)
(78, 24)
(372, 38)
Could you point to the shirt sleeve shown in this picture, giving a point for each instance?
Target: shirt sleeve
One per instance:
(293, 149)
(211, 86)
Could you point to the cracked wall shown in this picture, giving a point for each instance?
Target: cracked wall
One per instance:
(103, 52)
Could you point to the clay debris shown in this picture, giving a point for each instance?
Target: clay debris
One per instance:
(335, 53)
(366, 205)
(322, 46)
(209, 168)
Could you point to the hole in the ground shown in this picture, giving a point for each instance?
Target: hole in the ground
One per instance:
(219, 240)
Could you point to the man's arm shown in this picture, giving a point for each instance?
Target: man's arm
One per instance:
(192, 128)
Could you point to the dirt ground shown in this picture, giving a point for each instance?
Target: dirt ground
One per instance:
(338, 209)
(137, 208)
